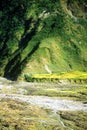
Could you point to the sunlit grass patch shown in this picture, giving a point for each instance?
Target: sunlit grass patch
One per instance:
(74, 75)
(68, 75)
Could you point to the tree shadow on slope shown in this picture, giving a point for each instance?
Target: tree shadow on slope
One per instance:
(12, 16)
(15, 65)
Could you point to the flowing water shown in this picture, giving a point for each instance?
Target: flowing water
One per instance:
(17, 91)
(54, 103)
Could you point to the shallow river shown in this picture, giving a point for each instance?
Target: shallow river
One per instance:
(53, 103)
(48, 102)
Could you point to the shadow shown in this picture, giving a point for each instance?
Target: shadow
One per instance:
(15, 66)
(26, 37)
(27, 25)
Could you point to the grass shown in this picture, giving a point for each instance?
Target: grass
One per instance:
(15, 115)
(68, 85)
(76, 119)
(69, 75)
(62, 39)
(21, 116)
(76, 76)
(71, 91)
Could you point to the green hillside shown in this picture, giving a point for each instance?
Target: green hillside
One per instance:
(42, 36)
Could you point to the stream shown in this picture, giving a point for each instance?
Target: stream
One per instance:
(52, 103)
(17, 91)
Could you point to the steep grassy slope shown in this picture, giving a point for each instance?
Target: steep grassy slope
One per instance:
(38, 36)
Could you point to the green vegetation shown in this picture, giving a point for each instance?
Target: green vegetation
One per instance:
(21, 116)
(66, 91)
(15, 115)
(37, 33)
(69, 91)
(44, 41)
(76, 76)
(76, 120)
(63, 89)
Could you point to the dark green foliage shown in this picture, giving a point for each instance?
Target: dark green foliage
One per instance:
(53, 25)
(25, 23)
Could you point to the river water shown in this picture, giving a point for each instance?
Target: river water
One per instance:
(55, 104)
